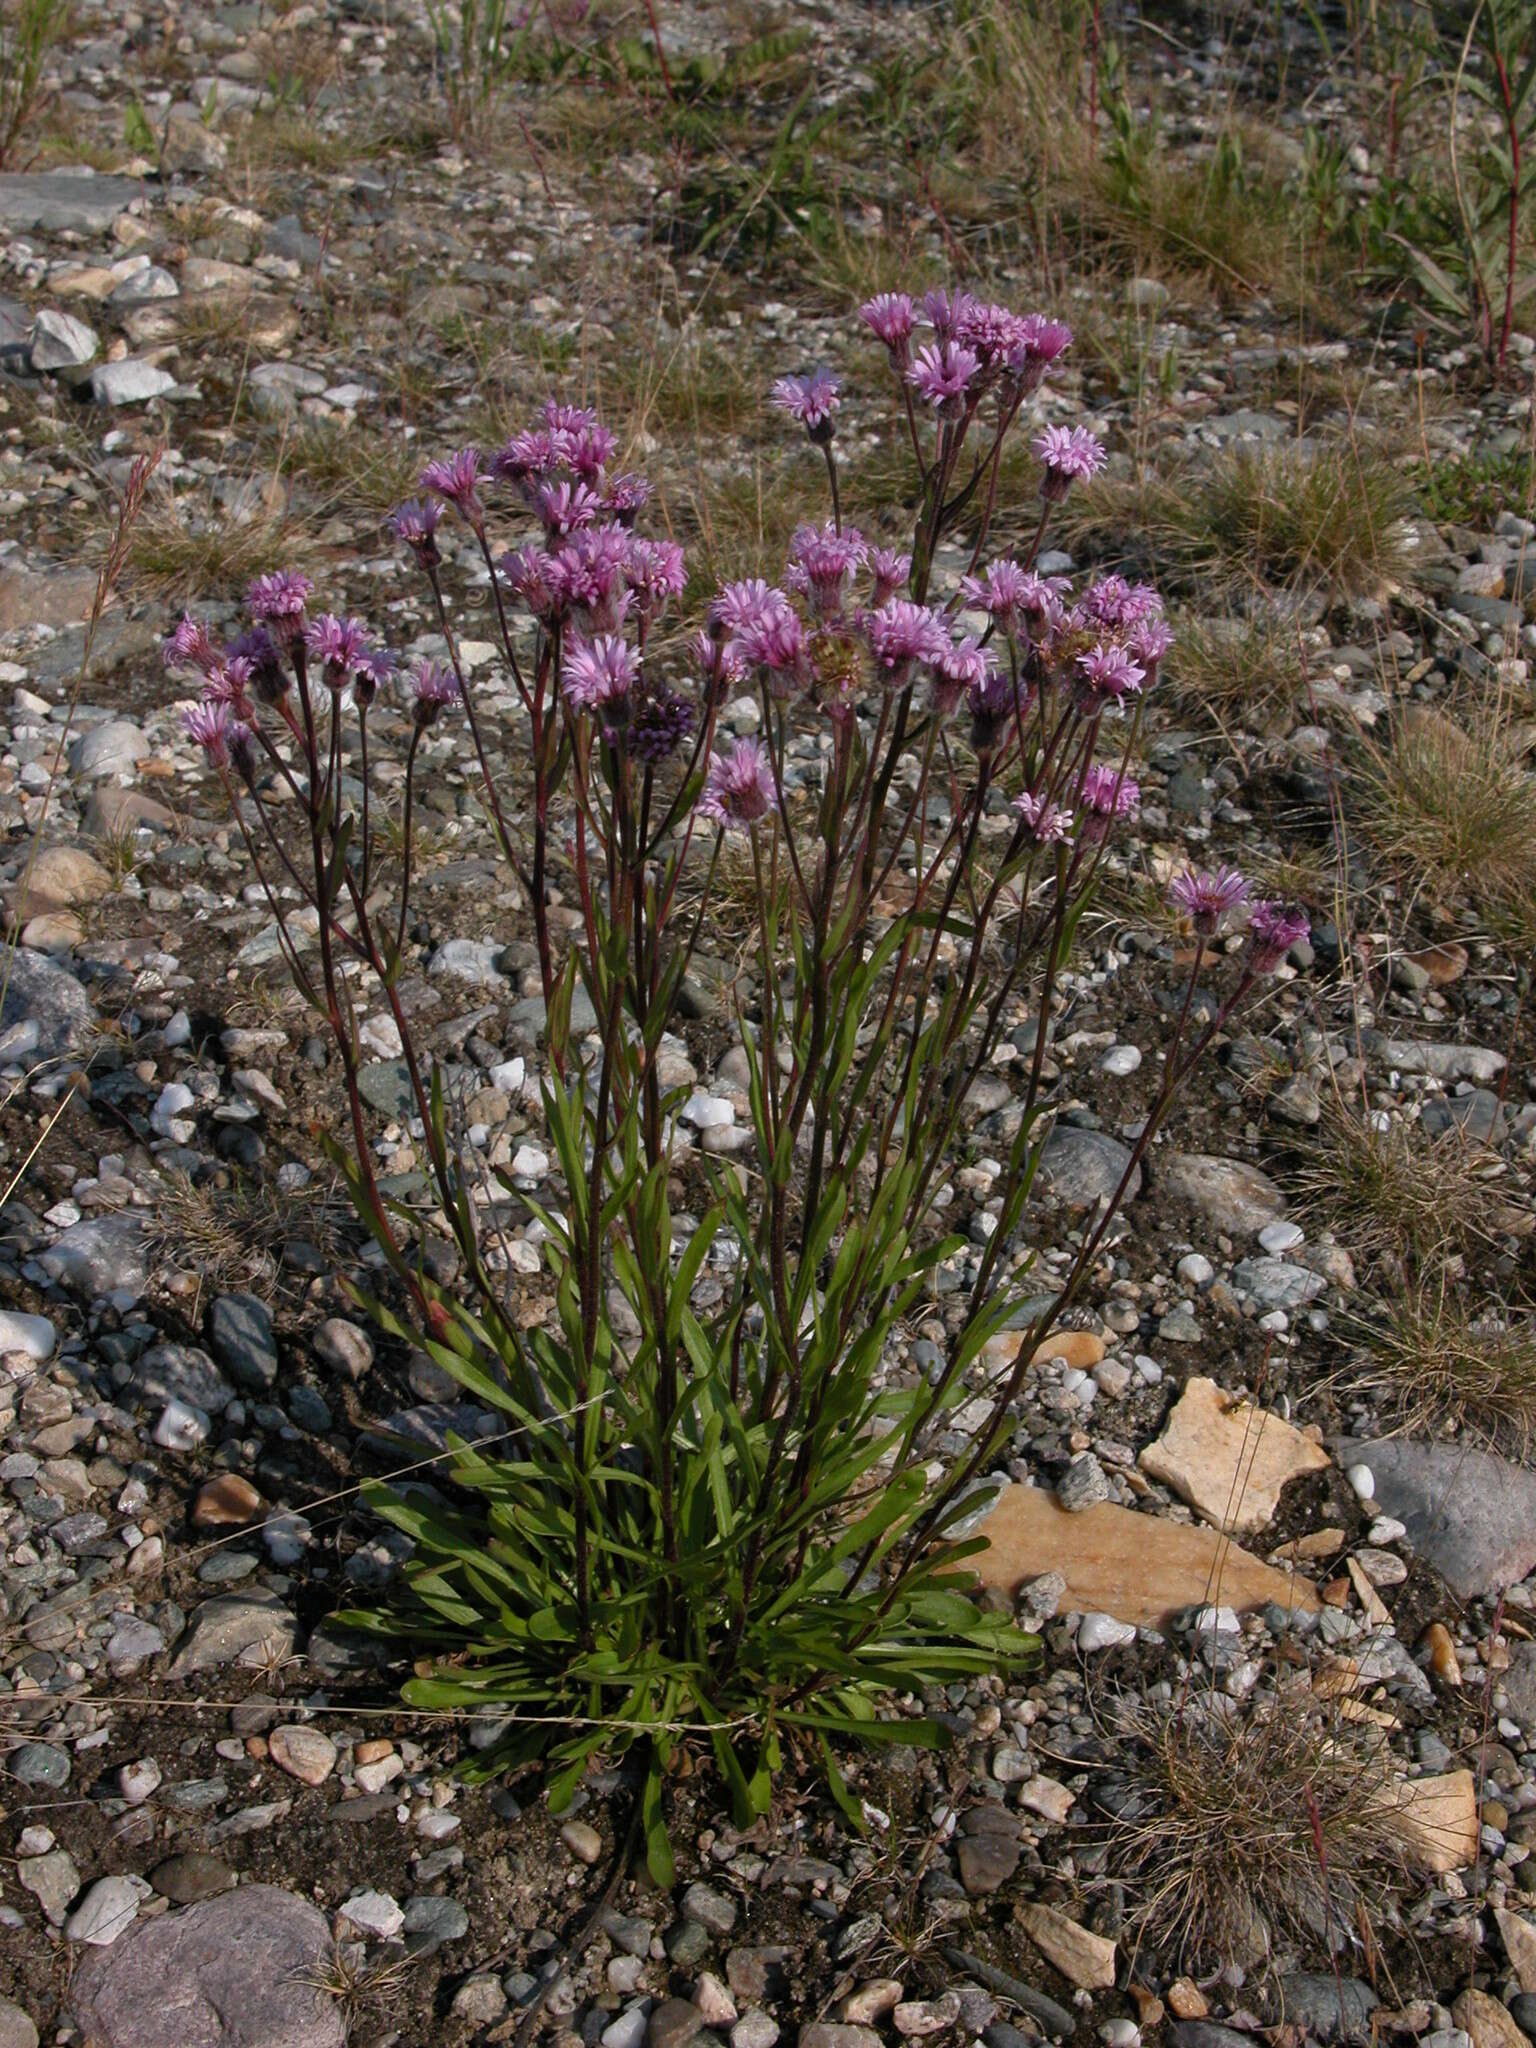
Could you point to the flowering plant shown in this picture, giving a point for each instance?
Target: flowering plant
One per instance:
(721, 1504)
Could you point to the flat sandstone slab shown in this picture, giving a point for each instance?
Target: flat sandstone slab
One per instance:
(1139, 1568)
(1228, 1458)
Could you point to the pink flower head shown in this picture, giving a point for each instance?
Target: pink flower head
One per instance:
(964, 665)
(264, 663)
(433, 688)
(529, 456)
(994, 703)
(1107, 676)
(190, 646)
(890, 571)
(741, 606)
(600, 673)
(338, 645)
(811, 400)
(624, 495)
(1070, 455)
(655, 572)
(278, 601)
(776, 644)
(1047, 822)
(1273, 928)
(1114, 602)
(902, 634)
(458, 481)
(1147, 642)
(944, 311)
(228, 682)
(565, 507)
(209, 725)
(589, 575)
(991, 332)
(941, 373)
(720, 662)
(821, 560)
(1105, 794)
(374, 667)
(562, 418)
(416, 523)
(740, 787)
(589, 449)
(1017, 598)
(890, 317)
(1040, 342)
(531, 575)
(1205, 897)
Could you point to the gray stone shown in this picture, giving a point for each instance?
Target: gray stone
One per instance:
(182, 1372)
(99, 1255)
(471, 960)
(1230, 1193)
(1468, 1513)
(51, 202)
(240, 1971)
(435, 1919)
(114, 748)
(16, 2028)
(107, 1911)
(52, 1880)
(140, 287)
(1329, 2010)
(344, 1347)
(40, 993)
(61, 342)
(42, 1765)
(1520, 1685)
(1081, 1167)
(253, 1627)
(240, 1335)
(1478, 1115)
(188, 1879)
(129, 382)
(1443, 1062)
(710, 1908)
(1276, 1283)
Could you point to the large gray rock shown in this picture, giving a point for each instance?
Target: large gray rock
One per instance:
(1232, 1195)
(1468, 1513)
(129, 382)
(1444, 1062)
(113, 748)
(16, 2029)
(61, 342)
(39, 994)
(238, 1971)
(240, 1334)
(100, 1255)
(54, 201)
(1081, 1167)
(254, 1628)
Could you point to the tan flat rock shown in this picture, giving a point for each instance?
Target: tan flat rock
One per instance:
(1083, 1958)
(1490, 2024)
(1229, 1458)
(1519, 1937)
(1139, 1568)
(1437, 1818)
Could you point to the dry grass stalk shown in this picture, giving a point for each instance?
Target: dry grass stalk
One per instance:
(1392, 1191)
(1445, 1367)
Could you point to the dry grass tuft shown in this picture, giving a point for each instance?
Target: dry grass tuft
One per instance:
(1454, 807)
(1275, 518)
(1447, 1369)
(176, 557)
(1395, 1193)
(1241, 672)
(234, 1236)
(1252, 1826)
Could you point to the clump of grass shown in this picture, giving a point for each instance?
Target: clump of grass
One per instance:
(233, 1236)
(1256, 1825)
(1393, 1192)
(352, 466)
(1275, 517)
(1473, 489)
(1445, 1368)
(1239, 671)
(28, 31)
(177, 558)
(1454, 807)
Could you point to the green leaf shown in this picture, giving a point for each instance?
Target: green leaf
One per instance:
(659, 1860)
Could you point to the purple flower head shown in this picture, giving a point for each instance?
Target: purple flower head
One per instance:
(228, 682)
(589, 449)
(1070, 455)
(990, 332)
(458, 481)
(208, 724)
(589, 575)
(624, 496)
(528, 457)
(433, 688)
(1107, 676)
(993, 703)
(776, 645)
(902, 634)
(338, 645)
(190, 646)
(1114, 602)
(1105, 794)
(375, 666)
(533, 577)
(278, 601)
(1148, 641)
(660, 724)
(1047, 822)
(964, 665)
(1205, 898)
(655, 571)
(741, 606)
(1273, 928)
(256, 647)
(890, 317)
(1017, 598)
(944, 311)
(416, 523)
(565, 507)
(811, 400)
(890, 571)
(821, 560)
(1040, 342)
(720, 664)
(600, 674)
(941, 373)
(740, 787)
(561, 418)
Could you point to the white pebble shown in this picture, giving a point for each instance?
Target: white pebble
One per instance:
(708, 1112)
(1103, 1632)
(1279, 1238)
(1363, 1480)
(529, 1163)
(181, 1427)
(1120, 1060)
(1195, 1270)
(1386, 1529)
